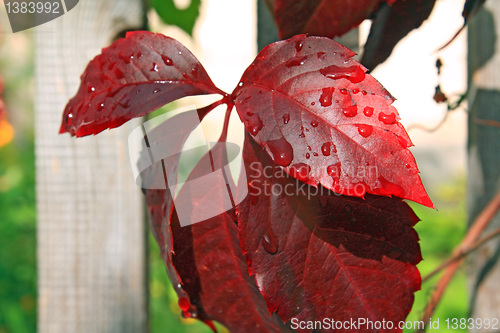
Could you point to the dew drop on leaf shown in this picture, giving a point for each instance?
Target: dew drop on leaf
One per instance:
(119, 74)
(90, 89)
(298, 46)
(321, 55)
(300, 171)
(388, 119)
(297, 61)
(282, 151)
(167, 60)
(326, 96)
(69, 119)
(314, 123)
(308, 156)
(100, 106)
(343, 91)
(156, 91)
(326, 148)
(254, 125)
(368, 111)
(286, 118)
(270, 242)
(184, 303)
(350, 111)
(365, 130)
(154, 68)
(355, 74)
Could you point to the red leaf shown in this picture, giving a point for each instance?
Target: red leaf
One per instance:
(390, 25)
(133, 77)
(325, 121)
(204, 261)
(210, 263)
(317, 255)
(327, 18)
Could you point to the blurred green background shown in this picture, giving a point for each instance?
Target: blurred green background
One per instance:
(440, 231)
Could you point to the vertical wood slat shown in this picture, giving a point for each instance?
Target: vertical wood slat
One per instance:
(91, 233)
(484, 154)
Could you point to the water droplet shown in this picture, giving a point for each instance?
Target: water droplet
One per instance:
(286, 118)
(298, 45)
(254, 125)
(124, 58)
(302, 135)
(308, 156)
(368, 111)
(343, 91)
(314, 123)
(315, 154)
(408, 166)
(388, 119)
(296, 61)
(167, 60)
(364, 92)
(179, 286)
(326, 148)
(90, 89)
(355, 74)
(355, 91)
(154, 68)
(125, 102)
(270, 242)
(313, 103)
(334, 171)
(282, 151)
(326, 96)
(186, 314)
(100, 106)
(300, 171)
(321, 55)
(156, 91)
(180, 52)
(365, 130)
(250, 114)
(138, 91)
(139, 54)
(350, 111)
(184, 303)
(69, 119)
(240, 84)
(309, 148)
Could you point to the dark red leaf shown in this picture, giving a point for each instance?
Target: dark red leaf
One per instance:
(204, 260)
(318, 255)
(133, 77)
(327, 18)
(325, 121)
(210, 263)
(390, 25)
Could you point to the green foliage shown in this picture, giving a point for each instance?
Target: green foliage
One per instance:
(17, 239)
(440, 231)
(183, 18)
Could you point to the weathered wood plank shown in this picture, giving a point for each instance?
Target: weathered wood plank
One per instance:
(91, 231)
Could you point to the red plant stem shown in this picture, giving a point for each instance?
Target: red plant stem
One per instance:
(474, 232)
(227, 116)
(464, 252)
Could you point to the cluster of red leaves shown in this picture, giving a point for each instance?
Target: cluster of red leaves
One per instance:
(338, 244)
(391, 20)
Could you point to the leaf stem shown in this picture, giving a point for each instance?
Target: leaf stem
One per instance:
(476, 229)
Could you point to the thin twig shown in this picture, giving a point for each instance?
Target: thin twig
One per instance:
(470, 238)
(487, 122)
(463, 253)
